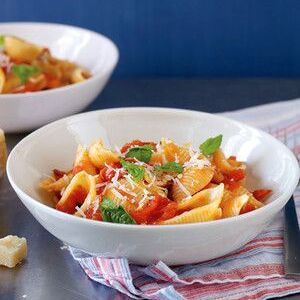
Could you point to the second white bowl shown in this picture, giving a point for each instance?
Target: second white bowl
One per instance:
(23, 112)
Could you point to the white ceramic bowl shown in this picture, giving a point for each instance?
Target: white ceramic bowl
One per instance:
(23, 112)
(270, 165)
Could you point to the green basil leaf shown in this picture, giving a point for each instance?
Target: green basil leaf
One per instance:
(2, 40)
(142, 153)
(114, 213)
(170, 167)
(211, 145)
(137, 172)
(24, 72)
(108, 204)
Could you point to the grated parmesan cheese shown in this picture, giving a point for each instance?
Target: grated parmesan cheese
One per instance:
(123, 188)
(100, 185)
(96, 205)
(143, 200)
(118, 194)
(66, 179)
(80, 211)
(182, 187)
(128, 177)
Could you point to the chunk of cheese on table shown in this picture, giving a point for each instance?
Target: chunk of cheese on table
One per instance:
(12, 250)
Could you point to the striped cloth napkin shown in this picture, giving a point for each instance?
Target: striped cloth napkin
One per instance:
(253, 272)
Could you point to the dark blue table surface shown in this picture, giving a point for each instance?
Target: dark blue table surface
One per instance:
(49, 272)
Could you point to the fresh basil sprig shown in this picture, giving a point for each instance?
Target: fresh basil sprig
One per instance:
(137, 172)
(142, 153)
(114, 213)
(170, 167)
(211, 145)
(24, 72)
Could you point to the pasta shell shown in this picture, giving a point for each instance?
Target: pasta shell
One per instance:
(21, 51)
(79, 75)
(204, 213)
(2, 80)
(83, 162)
(233, 206)
(242, 190)
(101, 156)
(52, 185)
(222, 163)
(83, 183)
(174, 152)
(203, 197)
(156, 158)
(192, 181)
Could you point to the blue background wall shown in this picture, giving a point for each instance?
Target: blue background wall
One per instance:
(206, 38)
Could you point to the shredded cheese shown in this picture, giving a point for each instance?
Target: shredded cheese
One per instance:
(80, 211)
(66, 179)
(143, 201)
(128, 177)
(182, 187)
(96, 205)
(100, 185)
(118, 194)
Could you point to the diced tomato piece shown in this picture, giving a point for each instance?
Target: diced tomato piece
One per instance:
(232, 157)
(52, 81)
(90, 214)
(261, 194)
(153, 211)
(232, 185)
(76, 197)
(169, 212)
(247, 208)
(236, 175)
(58, 173)
(137, 143)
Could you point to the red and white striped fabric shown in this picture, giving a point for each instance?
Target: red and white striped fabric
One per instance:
(253, 272)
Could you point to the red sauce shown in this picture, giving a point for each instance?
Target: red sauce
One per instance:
(158, 209)
(58, 174)
(262, 194)
(90, 214)
(76, 198)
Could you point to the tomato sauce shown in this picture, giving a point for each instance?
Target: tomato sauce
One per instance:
(76, 198)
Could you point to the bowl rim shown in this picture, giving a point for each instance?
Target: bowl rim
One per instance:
(95, 77)
(77, 117)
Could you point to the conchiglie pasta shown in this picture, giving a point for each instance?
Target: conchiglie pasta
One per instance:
(242, 190)
(173, 152)
(80, 192)
(2, 80)
(204, 213)
(101, 156)
(202, 198)
(233, 206)
(156, 158)
(52, 185)
(192, 181)
(20, 50)
(83, 162)
(222, 163)
(79, 75)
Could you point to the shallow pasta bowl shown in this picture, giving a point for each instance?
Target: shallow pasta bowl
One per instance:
(23, 112)
(270, 164)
